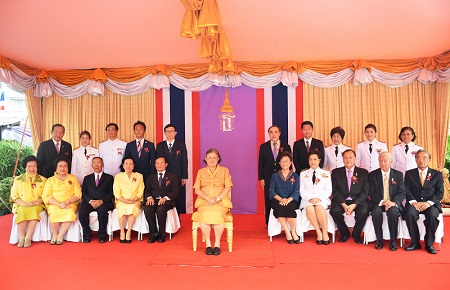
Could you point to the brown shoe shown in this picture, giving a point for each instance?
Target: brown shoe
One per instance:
(21, 243)
(27, 243)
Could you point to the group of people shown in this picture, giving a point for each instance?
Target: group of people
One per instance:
(367, 181)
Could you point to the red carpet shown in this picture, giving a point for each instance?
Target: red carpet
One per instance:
(255, 263)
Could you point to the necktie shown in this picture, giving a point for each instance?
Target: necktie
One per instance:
(57, 147)
(406, 148)
(275, 151)
(314, 177)
(170, 147)
(386, 187)
(160, 180)
(307, 146)
(349, 179)
(422, 177)
(85, 151)
(336, 151)
(97, 180)
(370, 148)
(139, 149)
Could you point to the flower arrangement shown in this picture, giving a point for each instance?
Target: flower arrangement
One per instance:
(292, 180)
(354, 179)
(33, 185)
(178, 152)
(413, 153)
(393, 181)
(146, 149)
(119, 151)
(316, 181)
(429, 177)
(70, 182)
(379, 151)
(167, 181)
(134, 179)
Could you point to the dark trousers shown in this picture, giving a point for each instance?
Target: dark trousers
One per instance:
(431, 223)
(153, 212)
(267, 200)
(181, 200)
(361, 214)
(102, 212)
(393, 214)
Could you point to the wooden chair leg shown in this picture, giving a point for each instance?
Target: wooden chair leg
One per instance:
(230, 237)
(194, 236)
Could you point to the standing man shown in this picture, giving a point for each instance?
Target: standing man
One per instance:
(161, 191)
(387, 193)
(268, 162)
(52, 148)
(97, 196)
(112, 150)
(304, 145)
(177, 161)
(367, 152)
(142, 150)
(350, 191)
(424, 191)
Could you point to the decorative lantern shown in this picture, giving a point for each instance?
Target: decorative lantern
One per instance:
(227, 116)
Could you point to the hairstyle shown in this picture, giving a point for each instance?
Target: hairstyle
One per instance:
(140, 123)
(123, 161)
(85, 133)
(307, 123)
(29, 158)
(58, 125)
(349, 150)
(368, 126)
(97, 157)
(272, 127)
(112, 124)
(385, 153)
(315, 152)
(163, 157)
(338, 130)
(285, 154)
(423, 150)
(60, 159)
(170, 125)
(403, 130)
(213, 150)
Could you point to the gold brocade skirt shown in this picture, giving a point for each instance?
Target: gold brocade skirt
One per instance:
(60, 215)
(25, 213)
(212, 215)
(127, 209)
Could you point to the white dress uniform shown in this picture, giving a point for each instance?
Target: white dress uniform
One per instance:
(82, 164)
(367, 160)
(331, 160)
(112, 154)
(321, 189)
(404, 161)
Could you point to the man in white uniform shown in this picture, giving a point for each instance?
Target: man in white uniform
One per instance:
(112, 150)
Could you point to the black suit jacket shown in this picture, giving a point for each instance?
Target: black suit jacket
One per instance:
(104, 191)
(146, 163)
(432, 189)
(359, 189)
(47, 154)
(397, 191)
(177, 159)
(170, 186)
(301, 154)
(266, 164)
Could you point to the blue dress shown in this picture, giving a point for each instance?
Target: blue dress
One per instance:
(285, 188)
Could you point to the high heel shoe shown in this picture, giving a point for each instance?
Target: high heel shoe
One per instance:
(319, 242)
(291, 241)
(128, 241)
(327, 242)
(297, 241)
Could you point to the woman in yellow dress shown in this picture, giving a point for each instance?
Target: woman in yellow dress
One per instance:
(212, 186)
(128, 190)
(26, 194)
(61, 195)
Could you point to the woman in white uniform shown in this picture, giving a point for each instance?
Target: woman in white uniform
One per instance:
(333, 153)
(82, 157)
(404, 153)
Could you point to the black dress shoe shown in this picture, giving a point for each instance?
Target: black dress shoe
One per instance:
(343, 238)
(326, 243)
(209, 251)
(102, 241)
(122, 241)
(378, 245)
(153, 238)
(393, 246)
(128, 241)
(358, 240)
(216, 251)
(86, 240)
(319, 242)
(430, 249)
(413, 246)
(161, 238)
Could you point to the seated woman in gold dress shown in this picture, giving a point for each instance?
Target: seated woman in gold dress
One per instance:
(61, 195)
(212, 186)
(128, 190)
(26, 194)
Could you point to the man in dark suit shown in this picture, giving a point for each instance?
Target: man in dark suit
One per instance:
(52, 148)
(142, 150)
(424, 191)
(176, 156)
(161, 191)
(269, 162)
(387, 193)
(304, 145)
(350, 191)
(97, 196)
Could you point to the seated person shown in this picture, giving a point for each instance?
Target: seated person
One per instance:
(161, 191)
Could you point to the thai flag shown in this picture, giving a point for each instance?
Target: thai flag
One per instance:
(196, 116)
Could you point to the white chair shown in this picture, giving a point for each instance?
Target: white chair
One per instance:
(274, 227)
(93, 224)
(73, 234)
(40, 233)
(307, 226)
(439, 231)
(172, 224)
(369, 231)
(115, 226)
